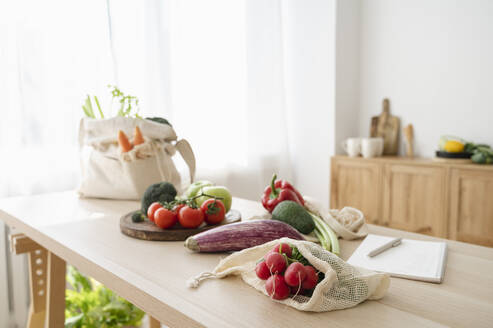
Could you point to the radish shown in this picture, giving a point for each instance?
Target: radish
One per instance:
(276, 287)
(295, 274)
(311, 279)
(270, 252)
(285, 248)
(276, 263)
(262, 271)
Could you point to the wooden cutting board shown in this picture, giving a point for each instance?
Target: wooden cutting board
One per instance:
(147, 230)
(386, 126)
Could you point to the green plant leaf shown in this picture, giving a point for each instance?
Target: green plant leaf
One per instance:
(73, 321)
(93, 305)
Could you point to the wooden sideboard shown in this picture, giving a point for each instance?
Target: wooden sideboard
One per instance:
(442, 199)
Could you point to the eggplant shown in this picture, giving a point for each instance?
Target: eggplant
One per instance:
(241, 235)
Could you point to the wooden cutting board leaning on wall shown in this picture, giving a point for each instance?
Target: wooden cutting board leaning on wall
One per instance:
(386, 126)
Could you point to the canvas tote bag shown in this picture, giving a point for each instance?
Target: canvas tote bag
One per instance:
(344, 285)
(106, 172)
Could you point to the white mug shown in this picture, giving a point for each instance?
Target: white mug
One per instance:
(352, 146)
(371, 147)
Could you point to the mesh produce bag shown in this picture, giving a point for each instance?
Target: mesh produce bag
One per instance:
(344, 285)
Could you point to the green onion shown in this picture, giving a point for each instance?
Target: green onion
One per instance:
(326, 236)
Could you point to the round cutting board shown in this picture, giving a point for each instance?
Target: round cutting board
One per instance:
(147, 230)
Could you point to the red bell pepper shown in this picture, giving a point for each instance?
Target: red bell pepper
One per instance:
(279, 191)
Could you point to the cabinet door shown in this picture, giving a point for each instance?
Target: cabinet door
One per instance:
(471, 206)
(357, 183)
(415, 197)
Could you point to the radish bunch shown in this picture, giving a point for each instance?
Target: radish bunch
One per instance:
(287, 273)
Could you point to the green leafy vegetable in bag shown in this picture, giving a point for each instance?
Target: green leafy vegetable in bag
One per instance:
(128, 105)
(88, 109)
(159, 120)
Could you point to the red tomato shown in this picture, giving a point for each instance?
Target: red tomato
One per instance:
(178, 207)
(165, 218)
(214, 210)
(152, 209)
(190, 217)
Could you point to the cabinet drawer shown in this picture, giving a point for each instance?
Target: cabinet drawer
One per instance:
(415, 198)
(471, 206)
(357, 184)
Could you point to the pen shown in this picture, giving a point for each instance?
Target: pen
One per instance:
(392, 243)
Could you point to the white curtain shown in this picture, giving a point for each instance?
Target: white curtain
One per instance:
(247, 82)
(215, 69)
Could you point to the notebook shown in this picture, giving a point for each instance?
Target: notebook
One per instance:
(412, 259)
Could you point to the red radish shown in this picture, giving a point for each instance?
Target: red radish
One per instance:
(285, 248)
(296, 290)
(276, 287)
(152, 209)
(311, 279)
(276, 263)
(262, 271)
(270, 252)
(295, 274)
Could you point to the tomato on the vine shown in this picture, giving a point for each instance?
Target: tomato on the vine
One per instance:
(165, 218)
(214, 210)
(152, 210)
(190, 217)
(178, 207)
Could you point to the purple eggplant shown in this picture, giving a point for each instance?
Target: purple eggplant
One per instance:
(241, 235)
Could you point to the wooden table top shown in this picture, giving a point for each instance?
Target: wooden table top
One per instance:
(152, 274)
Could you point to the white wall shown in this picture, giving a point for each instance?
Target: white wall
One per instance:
(309, 39)
(347, 71)
(434, 60)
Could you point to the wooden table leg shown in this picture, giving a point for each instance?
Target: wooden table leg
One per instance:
(37, 281)
(38, 257)
(154, 323)
(55, 301)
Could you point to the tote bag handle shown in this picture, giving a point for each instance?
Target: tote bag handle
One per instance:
(186, 152)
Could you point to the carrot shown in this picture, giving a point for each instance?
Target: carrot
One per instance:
(125, 145)
(138, 138)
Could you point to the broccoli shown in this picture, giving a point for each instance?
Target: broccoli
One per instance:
(137, 216)
(158, 192)
(295, 215)
(159, 120)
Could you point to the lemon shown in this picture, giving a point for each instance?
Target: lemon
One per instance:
(453, 146)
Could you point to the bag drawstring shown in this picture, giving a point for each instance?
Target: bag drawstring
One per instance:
(195, 282)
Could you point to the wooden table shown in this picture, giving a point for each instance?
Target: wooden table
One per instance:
(152, 275)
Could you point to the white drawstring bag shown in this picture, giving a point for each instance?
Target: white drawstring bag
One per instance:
(106, 172)
(348, 223)
(344, 285)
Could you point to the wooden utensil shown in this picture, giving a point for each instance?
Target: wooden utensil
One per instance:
(149, 231)
(409, 134)
(386, 126)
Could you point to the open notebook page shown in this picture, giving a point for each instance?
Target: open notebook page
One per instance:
(413, 259)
